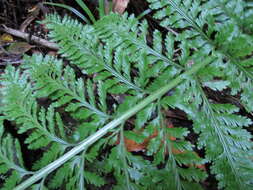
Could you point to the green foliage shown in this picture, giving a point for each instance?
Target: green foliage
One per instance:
(232, 44)
(11, 161)
(108, 68)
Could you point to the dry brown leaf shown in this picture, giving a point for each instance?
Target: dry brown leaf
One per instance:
(133, 146)
(120, 6)
(19, 48)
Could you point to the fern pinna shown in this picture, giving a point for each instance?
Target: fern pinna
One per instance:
(112, 66)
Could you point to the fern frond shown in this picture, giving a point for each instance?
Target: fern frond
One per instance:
(234, 143)
(236, 11)
(82, 47)
(24, 110)
(226, 143)
(129, 33)
(233, 46)
(44, 126)
(231, 41)
(74, 175)
(59, 83)
(127, 175)
(171, 142)
(12, 167)
(121, 63)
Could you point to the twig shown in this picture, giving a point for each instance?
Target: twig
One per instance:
(11, 63)
(27, 21)
(33, 38)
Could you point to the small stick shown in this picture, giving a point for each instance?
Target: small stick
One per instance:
(33, 38)
(11, 63)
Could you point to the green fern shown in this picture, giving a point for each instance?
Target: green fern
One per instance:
(231, 42)
(221, 20)
(111, 67)
(41, 125)
(12, 167)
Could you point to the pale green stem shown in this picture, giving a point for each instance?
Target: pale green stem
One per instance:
(100, 133)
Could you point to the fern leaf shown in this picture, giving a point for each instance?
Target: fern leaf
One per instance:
(94, 179)
(12, 168)
(24, 110)
(42, 69)
(113, 65)
(84, 49)
(223, 138)
(231, 42)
